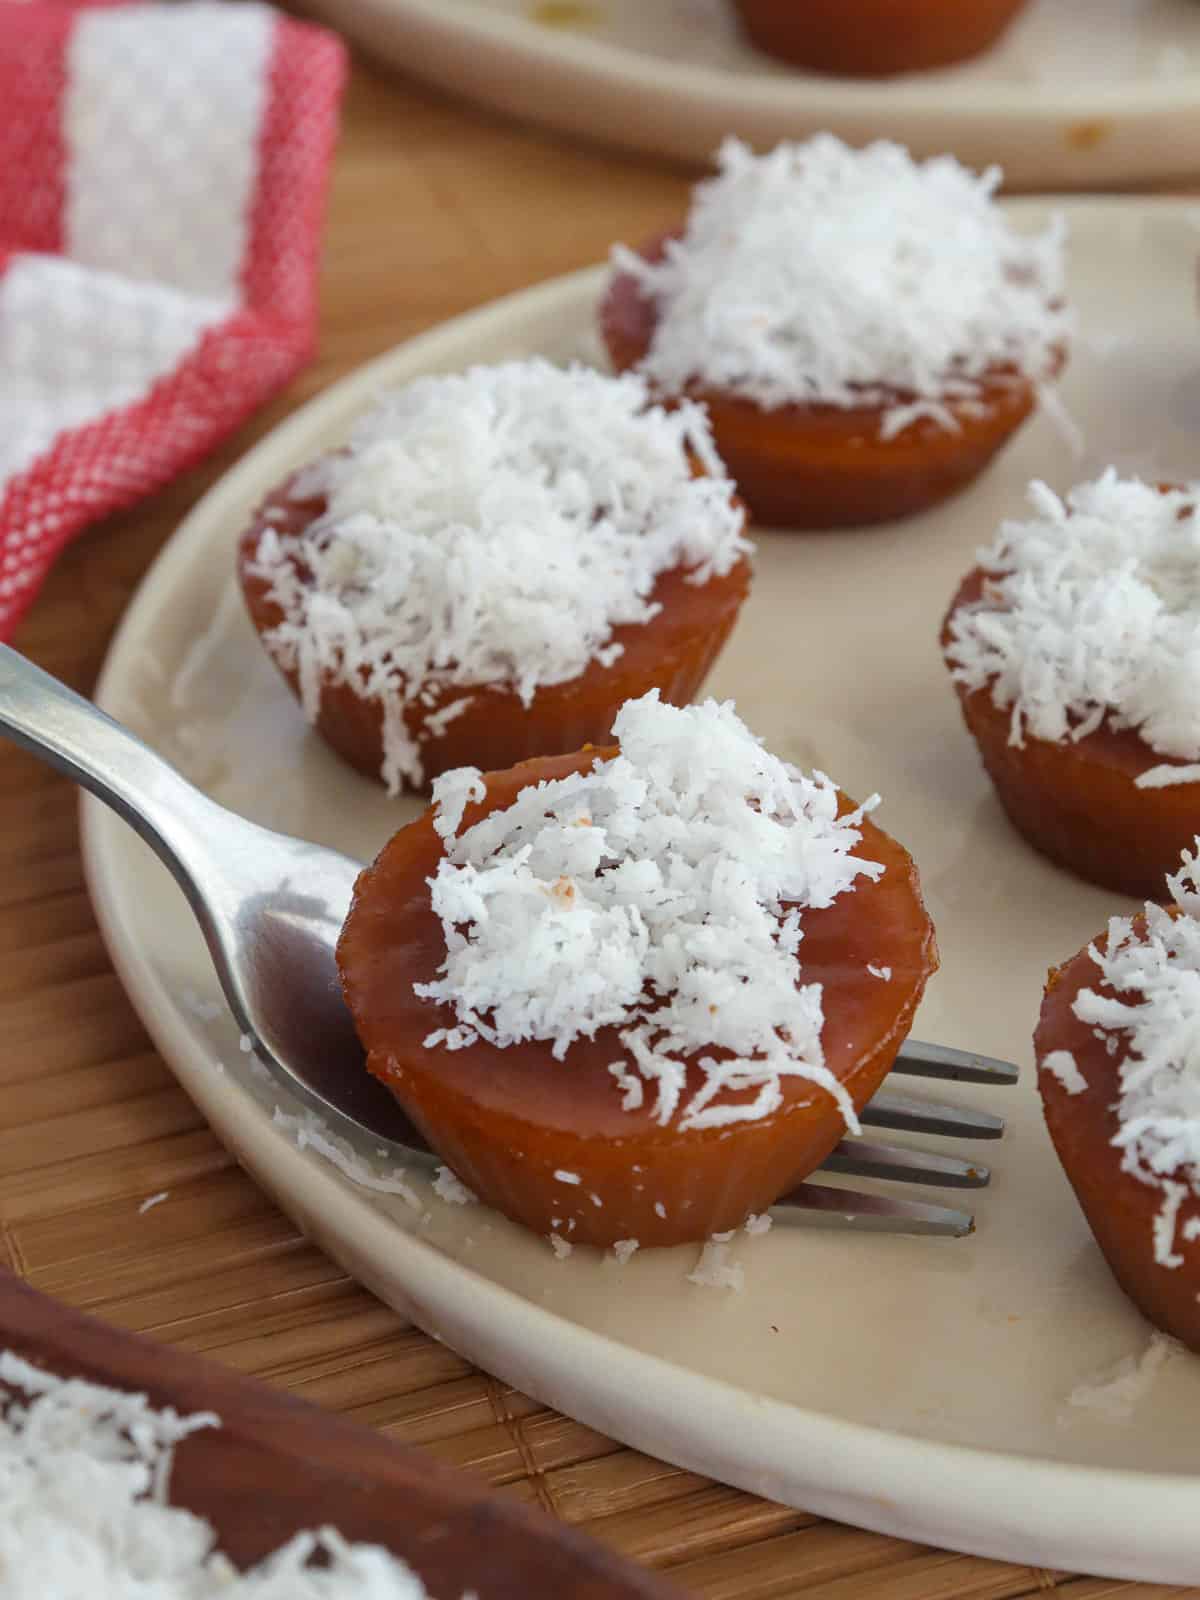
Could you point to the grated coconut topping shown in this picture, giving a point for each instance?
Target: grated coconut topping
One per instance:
(1061, 1064)
(1091, 614)
(662, 893)
(1158, 1108)
(821, 274)
(83, 1484)
(489, 530)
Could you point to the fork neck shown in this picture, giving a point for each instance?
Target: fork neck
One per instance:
(71, 734)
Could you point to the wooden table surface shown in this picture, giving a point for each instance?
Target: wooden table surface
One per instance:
(434, 208)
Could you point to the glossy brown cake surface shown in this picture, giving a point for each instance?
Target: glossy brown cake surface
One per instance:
(821, 466)
(506, 1120)
(1120, 1208)
(1078, 801)
(672, 652)
(875, 38)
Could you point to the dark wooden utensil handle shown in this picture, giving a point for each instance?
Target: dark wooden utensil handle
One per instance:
(278, 1464)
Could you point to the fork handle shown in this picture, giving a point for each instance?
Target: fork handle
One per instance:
(71, 734)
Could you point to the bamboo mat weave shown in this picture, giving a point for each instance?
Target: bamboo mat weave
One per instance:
(435, 208)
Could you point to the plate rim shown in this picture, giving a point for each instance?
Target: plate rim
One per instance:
(1043, 136)
(892, 1482)
(607, 61)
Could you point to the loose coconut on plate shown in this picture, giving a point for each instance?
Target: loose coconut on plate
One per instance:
(493, 564)
(875, 38)
(1075, 649)
(1119, 1074)
(628, 994)
(865, 330)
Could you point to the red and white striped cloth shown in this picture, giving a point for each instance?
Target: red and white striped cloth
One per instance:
(162, 179)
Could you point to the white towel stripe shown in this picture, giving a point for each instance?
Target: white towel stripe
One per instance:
(159, 184)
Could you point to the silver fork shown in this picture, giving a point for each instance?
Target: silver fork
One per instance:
(271, 908)
(863, 1158)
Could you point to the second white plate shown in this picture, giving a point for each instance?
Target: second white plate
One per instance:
(949, 1392)
(1078, 93)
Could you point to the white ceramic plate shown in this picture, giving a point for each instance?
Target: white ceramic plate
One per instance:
(915, 1386)
(1078, 93)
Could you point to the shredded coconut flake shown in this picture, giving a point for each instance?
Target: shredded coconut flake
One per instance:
(633, 1089)
(562, 1247)
(624, 1249)
(84, 1472)
(714, 1270)
(1113, 1395)
(308, 1132)
(851, 277)
(152, 1200)
(203, 1010)
(758, 1224)
(451, 1189)
(1158, 1109)
(883, 973)
(451, 793)
(1166, 1222)
(1091, 613)
(491, 529)
(676, 917)
(1165, 777)
(567, 1177)
(438, 721)
(1061, 1064)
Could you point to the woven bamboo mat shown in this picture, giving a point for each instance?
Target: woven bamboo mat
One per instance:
(434, 209)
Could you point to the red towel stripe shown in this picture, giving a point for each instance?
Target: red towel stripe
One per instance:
(109, 464)
(33, 76)
(279, 274)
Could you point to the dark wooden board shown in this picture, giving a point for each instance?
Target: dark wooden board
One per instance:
(278, 1465)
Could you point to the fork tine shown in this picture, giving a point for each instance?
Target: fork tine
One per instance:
(939, 1061)
(861, 1158)
(824, 1206)
(904, 1112)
